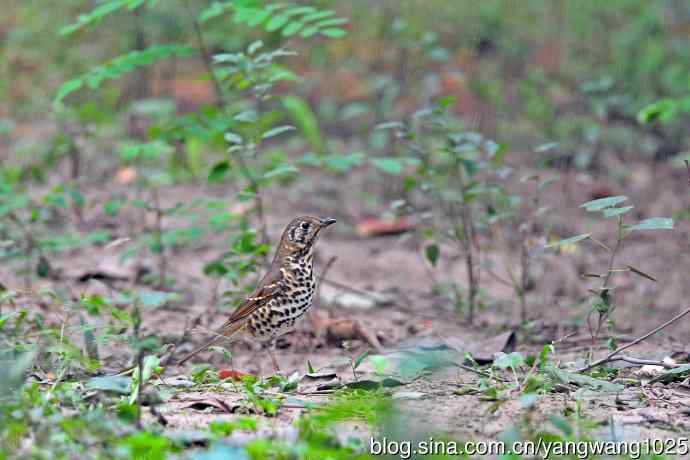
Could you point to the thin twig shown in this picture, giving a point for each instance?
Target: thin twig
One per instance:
(140, 391)
(564, 338)
(476, 371)
(205, 55)
(158, 235)
(609, 357)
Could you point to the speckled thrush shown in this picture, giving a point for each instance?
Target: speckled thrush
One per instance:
(283, 295)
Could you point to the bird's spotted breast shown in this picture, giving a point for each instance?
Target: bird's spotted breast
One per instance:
(280, 315)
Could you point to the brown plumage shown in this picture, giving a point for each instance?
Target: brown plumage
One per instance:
(284, 294)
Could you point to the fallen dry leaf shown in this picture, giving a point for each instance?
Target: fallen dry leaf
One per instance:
(375, 226)
(126, 175)
(347, 329)
(232, 374)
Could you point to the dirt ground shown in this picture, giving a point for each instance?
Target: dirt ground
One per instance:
(394, 268)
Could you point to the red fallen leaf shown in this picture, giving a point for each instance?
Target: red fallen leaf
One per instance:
(126, 175)
(232, 374)
(375, 226)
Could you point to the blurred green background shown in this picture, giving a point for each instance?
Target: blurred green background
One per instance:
(534, 72)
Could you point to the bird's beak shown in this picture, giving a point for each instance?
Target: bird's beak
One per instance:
(328, 221)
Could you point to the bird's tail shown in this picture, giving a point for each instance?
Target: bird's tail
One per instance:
(220, 335)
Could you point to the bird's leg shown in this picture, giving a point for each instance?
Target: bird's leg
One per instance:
(272, 352)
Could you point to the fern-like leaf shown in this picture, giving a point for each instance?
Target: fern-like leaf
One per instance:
(117, 67)
(101, 11)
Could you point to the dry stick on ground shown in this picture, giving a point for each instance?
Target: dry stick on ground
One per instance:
(645, 362)
(612, 356)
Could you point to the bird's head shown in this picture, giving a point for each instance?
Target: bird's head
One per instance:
(303, 232)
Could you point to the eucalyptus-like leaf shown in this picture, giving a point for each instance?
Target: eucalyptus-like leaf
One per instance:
(389, 125)
(546, 147)
(233, 138)
(390, 165)
(280, 170)
(567, 241)
(603, 203)
(277, 130)
(612, 212)
(121, 65)
(654, 223)
(333, 32)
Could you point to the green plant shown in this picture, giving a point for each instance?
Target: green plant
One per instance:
(602, 302)
(457, 168)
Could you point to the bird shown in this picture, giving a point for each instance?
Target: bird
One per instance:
(283, 295)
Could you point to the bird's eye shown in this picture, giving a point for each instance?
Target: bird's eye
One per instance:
(305, 225)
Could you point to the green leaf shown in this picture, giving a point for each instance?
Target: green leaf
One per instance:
(379, 363)
(512, 360)
(233, 138)
(331, 22)
(97, 14)
(280, 170)
(318, 15)
(219, 171)
(333, 32)
(121, 65)
(432, 252)
(612, 212)
(603, 203)
(446, 101)
(67, 88)
(663, 111)
(654, 223)
(564, 376)
(276, 131)
(390, 125)
(343, 163)
(43, 268)
(277, 22)
(151, 362)
(292, 28)
(304, 117)
(216, 9)
(674, 374)
(390, 165)
(358, 361)
(113, 383)
(309, 31)
(571, 240)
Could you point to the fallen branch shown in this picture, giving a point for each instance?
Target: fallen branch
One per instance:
(645, 362)
(610, 356)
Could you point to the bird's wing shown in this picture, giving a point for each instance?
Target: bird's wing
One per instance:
(268, 287)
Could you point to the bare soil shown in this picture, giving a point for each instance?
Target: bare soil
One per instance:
(395, 267)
